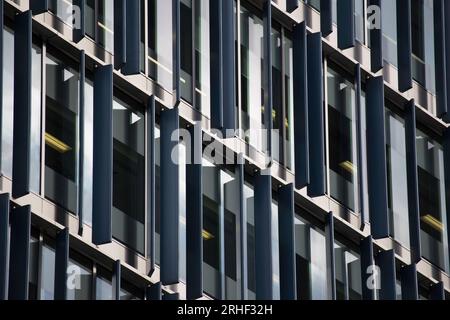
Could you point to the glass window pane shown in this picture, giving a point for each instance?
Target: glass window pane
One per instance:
(389, 25)
(34, 269)
(342, 142)
(129, 181)
(105, 24)
(103, 285)
(7, 118)
(47, 273)
(79, 283)
(202, 57)
(35, 155)
(61, 132)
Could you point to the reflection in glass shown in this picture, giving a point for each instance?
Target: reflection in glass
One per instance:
(34, 269)
(103, 285)
(348, 273)
(105, 24)
(88, 129)
(81, 288)
(252, 95)
(397, 178)
(433, 222)
(342, 142)
(311, 262)
(423, 59)
(289, 87)
(47, 273)
(7, 112)
(202, 57)
(278, 116)
(128, 180)
(61, 149)
(159, 42)
(35, 155)
(62, 9)
(389, 26)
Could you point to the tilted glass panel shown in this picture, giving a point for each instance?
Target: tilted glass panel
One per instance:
(433, 222)
(61, 147)
(47, 273)
(389, 26)
(186, 42)
(36, 90)
(342, 139)
(128, 179)
(103, 285)
(289, 94)
(105, 24)
(160, 42)
(397, 178)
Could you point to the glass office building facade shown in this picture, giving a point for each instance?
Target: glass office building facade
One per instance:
(134, 155)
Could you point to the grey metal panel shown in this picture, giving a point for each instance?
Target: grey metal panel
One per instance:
(361, 143)
(326, 17)
(120, 22)
(1, 75)
(386, 261)
(4, 245)
(194, 216)
(169, 198)
(132, 38)
(229, 65)
(263, 237)
(408, 279)
(61, 264)
(151, 184)
(80, 31)
(367, 267)
(444, 113)
(446, 147)
(301, 129)
(440, 57)
(267, 78)
(38, 6)
(437, 291)
(116, 279)
(242, 226)
(20, 253)
(22, 104)
(81, 125)
(216, 64)
(404, 45)
(153, 292)
(317, 186)
(346, 23)
(291, 5)
(286, 234)
(103, 155)
(331, 261)
(413, 183)
(176, 47)
(376, 40)
(376, 158)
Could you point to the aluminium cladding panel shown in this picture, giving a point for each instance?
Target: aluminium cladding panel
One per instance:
(194, 215)
(326, 17)
(103, 155)
(346, 24)
(20, 253)
(170, 190)
(445, 114)
(229, 64)
(153, 292)
(82, 126)
(376, 158)
(301, 133)
(330, 253)
(120, 29)
(171, 297)
(291, 5)
(132, 36)
(22, 104)
(437, 291)
(317, 185)
(79, 29)
(61, 264)
(38, 6)
(446, 147)
(376, 35)
(116, 279)
(263, 236)
(176, 49)
(413, 184)
(409, 284)
(367, 268)
(4, 245)
(385, 260)
(288, 290)
(440, 57)
(151, 183)
(404, 47)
